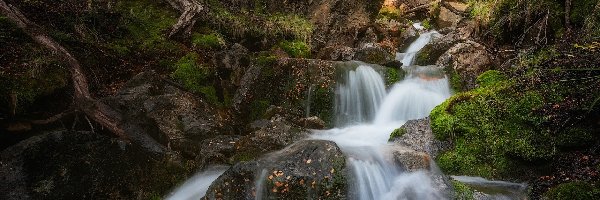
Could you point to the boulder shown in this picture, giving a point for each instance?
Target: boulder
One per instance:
(467, 60)
(75, 165)
(374, 53)
(267, 136)
(419, 137)
(309, 169)
(232, 63)
(447, 18)
(286, 83)
(176, 119)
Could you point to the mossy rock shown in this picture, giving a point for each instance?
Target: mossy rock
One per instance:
(462, 191)
(296, 49)
(399, 132)
(573, 191)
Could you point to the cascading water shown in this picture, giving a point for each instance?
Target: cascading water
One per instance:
(358, 96)
(376, 177)
(196, 186)
(407, 58)
(365, 117)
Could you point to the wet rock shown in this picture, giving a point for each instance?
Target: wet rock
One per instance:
(286, 83)
(267, 136)
(75, 165)
(374, 53)
(309, 169)
(419, 137)
(468, 60)
(410, 160)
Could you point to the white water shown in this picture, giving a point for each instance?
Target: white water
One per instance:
(196, 186)
(366, 115)
(376, 177)
(358, 96)
(408, 57)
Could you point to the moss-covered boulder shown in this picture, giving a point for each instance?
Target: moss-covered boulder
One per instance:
(310, 169)
(573, 190)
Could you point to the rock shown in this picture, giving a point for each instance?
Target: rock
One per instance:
(74, 165)
(177, 119)
(374, 54)
(468, 60)
(447, 18)
(231, 63)
(285, 82)
(268, 135)
(410, 160)
(309, 169)
(419, 137)
(312, 123)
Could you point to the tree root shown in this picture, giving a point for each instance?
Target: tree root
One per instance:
(96, 110)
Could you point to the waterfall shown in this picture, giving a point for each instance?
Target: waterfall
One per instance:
(358, 95)
(196, 186)
(408, 57)
(375, 115)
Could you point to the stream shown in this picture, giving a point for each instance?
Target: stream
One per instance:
(366, 113)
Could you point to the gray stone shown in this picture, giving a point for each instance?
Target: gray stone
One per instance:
(309, 169)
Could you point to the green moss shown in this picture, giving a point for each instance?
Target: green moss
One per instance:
(296, 49)
(293, 26)
(462, 191)
(195, 77)
(393, 75)
(456, 82)
(322, 104)
(399, 132)
(208, 41)
(573, 191)
(489, 126)
(146, 24)
(490, 78)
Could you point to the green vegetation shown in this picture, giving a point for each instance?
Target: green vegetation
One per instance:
(145, 24)
(322, 104)
(462, 191)
(573, 191)
(490, 124)
(296, 49)
(393, 75)
(399, 132)
(509, 18)
(389, 12)
(195, 77)
(208, 41)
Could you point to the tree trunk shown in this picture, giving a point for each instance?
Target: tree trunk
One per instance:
(98, 111)
(189, 15)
